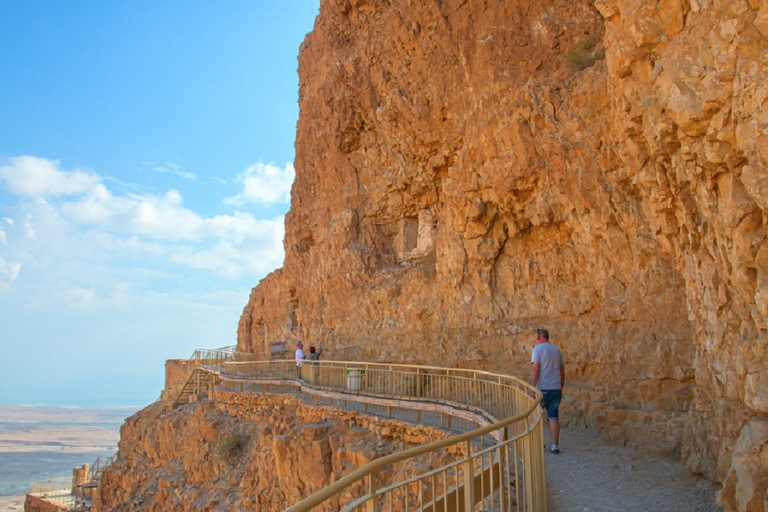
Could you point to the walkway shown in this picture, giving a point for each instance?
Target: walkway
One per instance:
(508, 449)
(592, 475)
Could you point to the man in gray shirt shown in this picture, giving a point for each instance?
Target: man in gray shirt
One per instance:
(548, 374)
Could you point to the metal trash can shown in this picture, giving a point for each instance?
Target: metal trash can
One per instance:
(355, 379)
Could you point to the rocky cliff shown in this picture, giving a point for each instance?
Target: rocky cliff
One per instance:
(467, 171)
(249, 452)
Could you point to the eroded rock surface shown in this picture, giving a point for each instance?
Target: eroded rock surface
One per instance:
(469, 171)
(249, 452)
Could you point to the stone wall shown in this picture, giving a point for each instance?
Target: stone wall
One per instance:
(174, 370)
(467, 172)
(38, 504)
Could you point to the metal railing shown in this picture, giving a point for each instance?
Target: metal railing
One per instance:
(96, 469)
(60, 490)
(57, 490)
(210, 360)
(498, 459)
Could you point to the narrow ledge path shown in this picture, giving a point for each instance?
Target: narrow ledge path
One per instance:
(593, 475)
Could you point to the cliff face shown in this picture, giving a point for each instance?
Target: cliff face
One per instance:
(469, 171)
(248, 452)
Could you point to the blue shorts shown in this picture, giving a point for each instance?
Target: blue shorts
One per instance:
(551, 402)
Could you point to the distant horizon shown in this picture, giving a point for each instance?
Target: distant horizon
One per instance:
(42, 442)
(119, 392)
(83, 407)
(135, 407)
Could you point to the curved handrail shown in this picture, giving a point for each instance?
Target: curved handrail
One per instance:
(479, 475)
(373, 466)
(499, 396)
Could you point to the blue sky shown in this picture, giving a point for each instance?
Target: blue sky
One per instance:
(146, 154)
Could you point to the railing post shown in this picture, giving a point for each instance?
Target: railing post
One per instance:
(373, 502)
(528, 463)
(541, 474)
(469, 481)
(419, 384)
(503, 477)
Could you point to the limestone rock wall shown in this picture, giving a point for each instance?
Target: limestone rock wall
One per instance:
(688, 88)
(468, 171)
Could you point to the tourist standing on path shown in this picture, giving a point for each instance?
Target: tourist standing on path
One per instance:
(548, 374)
(314, 355)
(312, 358)
(300, 355)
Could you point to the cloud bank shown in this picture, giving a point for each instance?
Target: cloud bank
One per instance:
(264, 183)
(37, 177)
(72, 238)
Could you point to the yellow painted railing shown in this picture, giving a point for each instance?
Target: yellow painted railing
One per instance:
(96, 469)
(60, 490)
(495, 462)
(56, 490)
(202, 359)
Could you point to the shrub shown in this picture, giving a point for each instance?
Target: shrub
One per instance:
(232, 445)
(587, 51)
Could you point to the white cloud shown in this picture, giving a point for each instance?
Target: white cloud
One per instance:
(247, 246)
(225, 244)
(37, 177)
(167, 167)
(110, 247)
(160, 217)
(3, 237)
(264, 183)
(121, 295)
(78, 298)
(9, 271)
(29, 229)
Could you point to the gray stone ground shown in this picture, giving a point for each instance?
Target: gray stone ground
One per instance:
(592, 475)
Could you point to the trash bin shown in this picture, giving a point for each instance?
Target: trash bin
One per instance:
(354, 379)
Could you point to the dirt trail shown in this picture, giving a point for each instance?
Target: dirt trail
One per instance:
(592, 475)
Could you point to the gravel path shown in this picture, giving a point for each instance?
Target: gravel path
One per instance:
(592, 475)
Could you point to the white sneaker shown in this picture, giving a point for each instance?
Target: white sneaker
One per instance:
(554, 449)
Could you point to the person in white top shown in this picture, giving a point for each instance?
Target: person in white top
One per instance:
(548, 374)
(300, 355)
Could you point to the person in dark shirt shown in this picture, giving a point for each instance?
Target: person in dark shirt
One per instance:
(314, 355)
